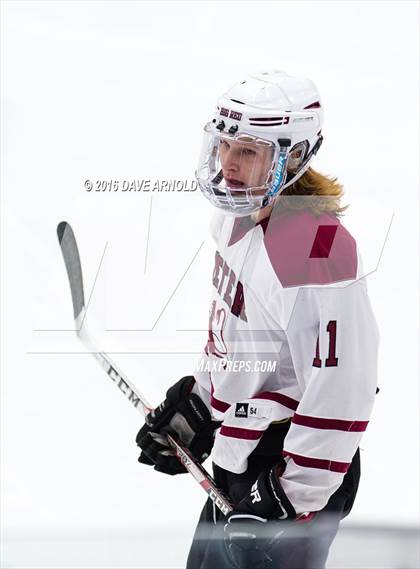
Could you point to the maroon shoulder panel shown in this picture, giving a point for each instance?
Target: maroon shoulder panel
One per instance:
(305, 249)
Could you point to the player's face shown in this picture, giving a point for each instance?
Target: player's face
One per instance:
(245, 163)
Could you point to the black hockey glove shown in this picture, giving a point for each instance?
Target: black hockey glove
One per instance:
(184, 415)
(256, 521)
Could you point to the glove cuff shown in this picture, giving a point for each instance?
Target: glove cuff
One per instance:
(180, 389)
(283, 507)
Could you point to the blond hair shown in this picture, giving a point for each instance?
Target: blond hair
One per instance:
(315, 191)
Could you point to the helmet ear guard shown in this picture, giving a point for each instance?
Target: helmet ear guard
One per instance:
(297, 156)
(294, 175)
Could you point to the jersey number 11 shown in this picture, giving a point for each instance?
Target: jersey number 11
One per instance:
(332, 360)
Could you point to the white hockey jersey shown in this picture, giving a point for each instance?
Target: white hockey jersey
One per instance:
(291, 334)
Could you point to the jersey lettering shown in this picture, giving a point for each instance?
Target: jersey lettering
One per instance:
(224, 280)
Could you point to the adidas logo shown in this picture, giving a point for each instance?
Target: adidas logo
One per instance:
(241, 410)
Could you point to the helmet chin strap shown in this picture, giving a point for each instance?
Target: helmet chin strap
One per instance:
(297, 175)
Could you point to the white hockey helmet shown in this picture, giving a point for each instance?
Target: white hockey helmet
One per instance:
(265, 131)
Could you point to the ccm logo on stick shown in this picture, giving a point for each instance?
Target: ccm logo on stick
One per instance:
(215, 498)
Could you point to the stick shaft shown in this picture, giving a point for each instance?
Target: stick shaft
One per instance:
(140, 403)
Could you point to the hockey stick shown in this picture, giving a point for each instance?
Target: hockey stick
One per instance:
(71, 257)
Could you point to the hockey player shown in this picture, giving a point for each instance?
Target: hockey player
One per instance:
(287, 381)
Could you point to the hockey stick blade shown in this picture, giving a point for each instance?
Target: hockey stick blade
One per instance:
(73, 267)
(72, 262)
